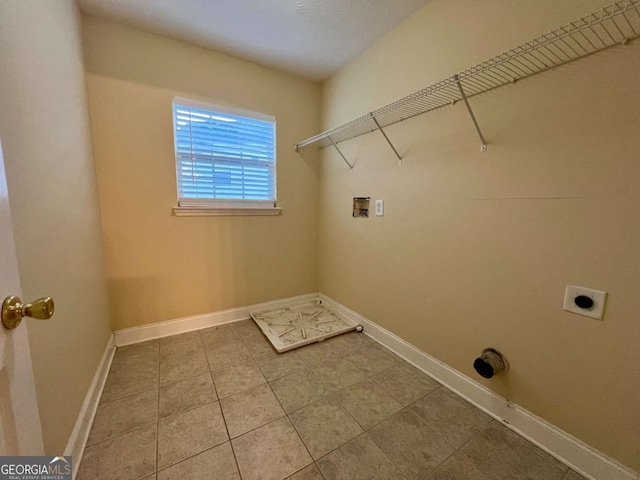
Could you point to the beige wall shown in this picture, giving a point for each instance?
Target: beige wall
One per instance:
(475, 249)
(162, 267)
(44, 126)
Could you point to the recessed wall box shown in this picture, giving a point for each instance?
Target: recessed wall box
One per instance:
(585, 301)
(361, 207)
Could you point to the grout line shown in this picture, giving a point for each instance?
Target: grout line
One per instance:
(233, 450)
(138, 427)
(319, 470)
(188, 410)
(191, 456)
(329, 392)
(286, 415)
(469, 441)
(128, 395)
(306, 466)
(408, 407)
(121, 434)
(298, 432)
(425, 424)
(459, 449)
(190, 377)
(224, 421)
(542, 455)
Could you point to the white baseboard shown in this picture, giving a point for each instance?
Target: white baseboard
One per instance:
(569, 450)
(82, 427)
(196, 322)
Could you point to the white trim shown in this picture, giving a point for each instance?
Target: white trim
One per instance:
(580, 457)
(84, 421)
(217, 108)
(224, 203)
(217, 212)
(196, 322)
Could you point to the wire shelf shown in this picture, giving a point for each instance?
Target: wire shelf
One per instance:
(611, 26)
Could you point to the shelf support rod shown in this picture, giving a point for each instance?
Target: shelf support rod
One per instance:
(336, 147)
(483, 148)
(387, 138)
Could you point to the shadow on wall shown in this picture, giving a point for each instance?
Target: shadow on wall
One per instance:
(224, 256)
(162, 62)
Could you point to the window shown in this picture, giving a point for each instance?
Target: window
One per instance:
(225, 159)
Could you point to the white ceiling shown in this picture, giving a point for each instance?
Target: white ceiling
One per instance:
(311, 38)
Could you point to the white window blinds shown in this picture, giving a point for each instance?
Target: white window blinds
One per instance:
(224, 158)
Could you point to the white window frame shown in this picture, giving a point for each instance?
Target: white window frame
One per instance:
(217, 207)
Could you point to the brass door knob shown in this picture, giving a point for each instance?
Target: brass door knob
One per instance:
(13, 310)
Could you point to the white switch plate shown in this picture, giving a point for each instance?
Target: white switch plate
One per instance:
(379, 208)
(597, 309)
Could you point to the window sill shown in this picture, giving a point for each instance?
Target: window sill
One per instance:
(224, 212)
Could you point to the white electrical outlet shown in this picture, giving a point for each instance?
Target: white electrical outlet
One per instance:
(584, 301)
(379, 208)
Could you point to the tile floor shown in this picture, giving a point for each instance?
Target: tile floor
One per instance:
(221, 404)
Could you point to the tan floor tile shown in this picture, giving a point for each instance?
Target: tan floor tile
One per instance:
(457, 397)
(186, 394)
(373, 358)
(318, 353)
(298, 390)
(337, 374)
(112, 459)
(217, 463)
(412, 445)
(223, 354)
(405, 383)
(236, 378)
(458, 468)
(349, 342)
(216, 336)
(360, 458)
(123, 415)
(368, 383)
(280, 364)
(183, 365)
(456, 422)
(368, 403)
(271, 452)
(250, 409)
(257, 344)
(324, 426)
(185, 434)
(136, 374)
(131, 354)
(503, 455)
(180, 344)
(247, 328)
(307, 473)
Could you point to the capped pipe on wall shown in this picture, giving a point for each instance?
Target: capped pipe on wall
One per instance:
(490, 363)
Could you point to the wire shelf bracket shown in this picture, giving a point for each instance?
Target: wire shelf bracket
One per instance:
(386, 138)
(336, 147)
(483, 145)
(611, 26)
